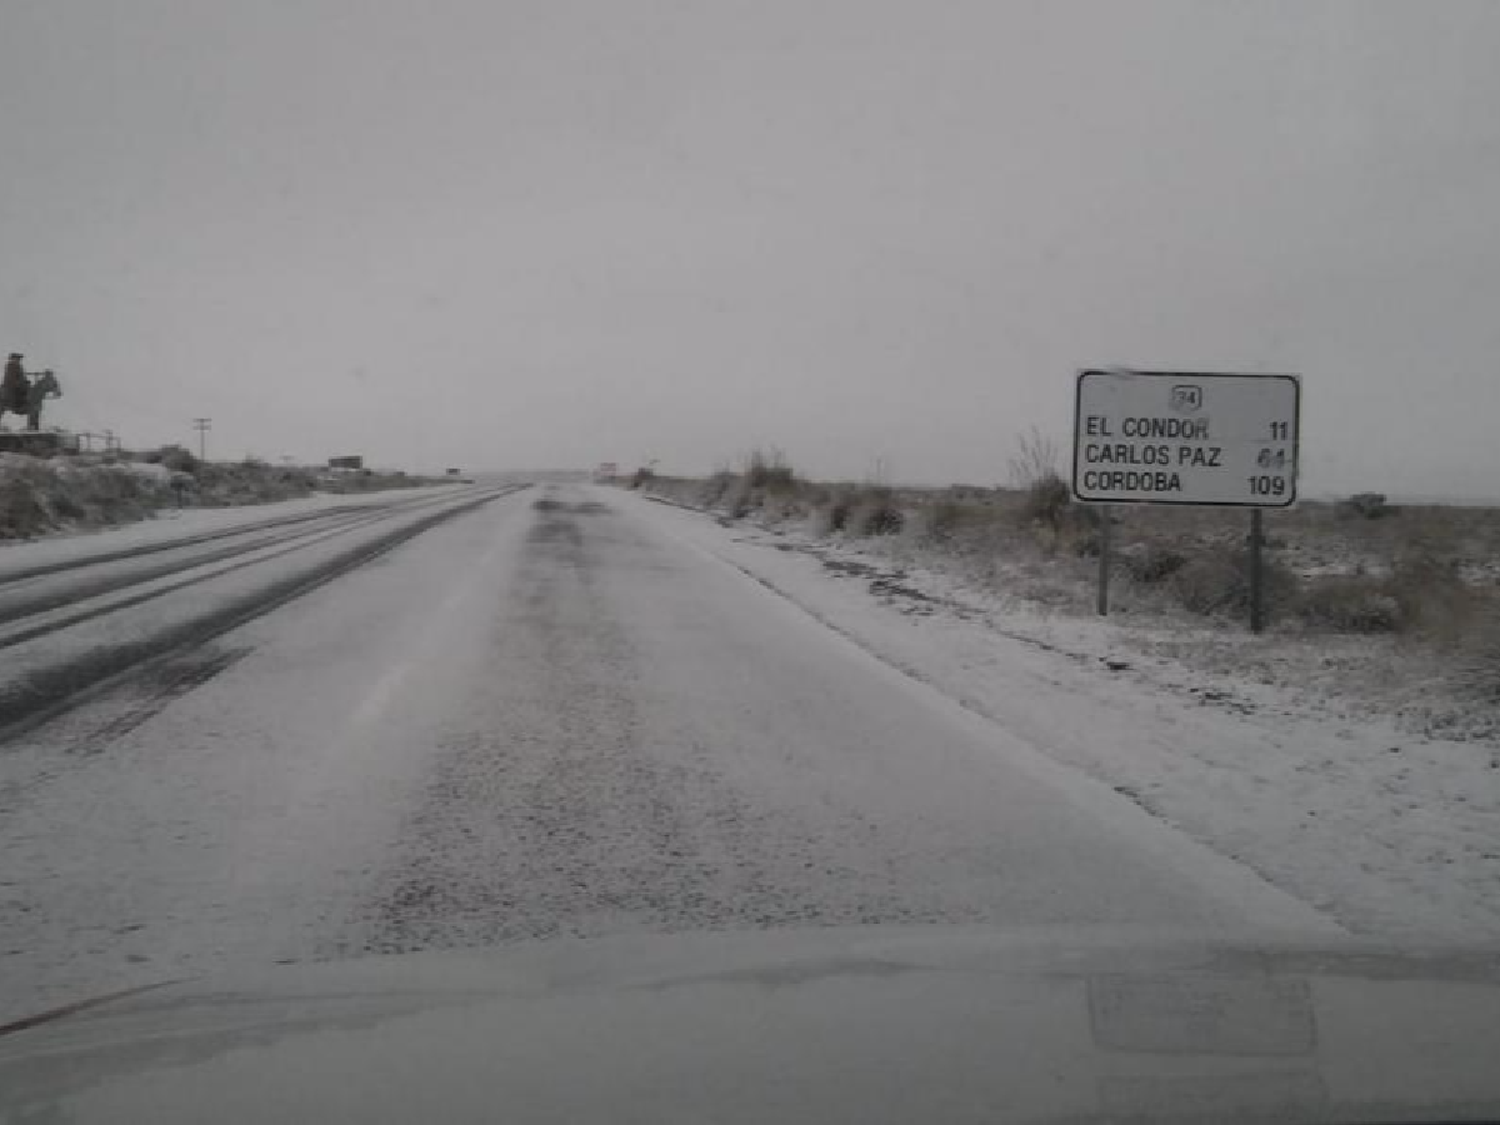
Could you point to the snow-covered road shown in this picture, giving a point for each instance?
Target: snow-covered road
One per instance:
(554, 714)
(71, 623)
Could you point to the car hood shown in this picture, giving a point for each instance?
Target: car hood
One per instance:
(868, 1025)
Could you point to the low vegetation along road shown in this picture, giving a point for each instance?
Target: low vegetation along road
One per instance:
(497, 714)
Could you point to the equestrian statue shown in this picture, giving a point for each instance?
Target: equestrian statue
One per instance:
(24, 395)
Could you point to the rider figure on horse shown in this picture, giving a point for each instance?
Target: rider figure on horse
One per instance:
(15, 390)
(25, 395)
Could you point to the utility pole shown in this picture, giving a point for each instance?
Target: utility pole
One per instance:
(203, 425)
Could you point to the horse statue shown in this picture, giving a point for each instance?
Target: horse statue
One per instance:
(27, 396)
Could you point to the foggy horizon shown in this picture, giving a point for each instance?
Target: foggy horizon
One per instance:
(549, 234)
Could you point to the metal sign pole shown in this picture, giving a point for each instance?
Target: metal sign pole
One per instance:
(1257, 584)
(1105, 519)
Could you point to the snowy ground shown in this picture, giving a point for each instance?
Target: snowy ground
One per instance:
(173, 523)
(1388, 832)
(572, 711)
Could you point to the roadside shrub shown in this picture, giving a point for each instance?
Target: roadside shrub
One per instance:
(1207, 585)
(816, 496)
(22, 513)
(875, 513)
(641, 478)
(1477, 661)
(1218, 582)
(1349, 604)
(1033, 470)
(66, 507)
(716, 487)
(1046, 503)
(878, 520)
(1432, 596)
(251, 481)
(740, 499)
(36, 497)
(832, 516)
(1083, 530)
(769, 471)
(366, 481)
(937, 521)
(1149, 563)
(173, 457)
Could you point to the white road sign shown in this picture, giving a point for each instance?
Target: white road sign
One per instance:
(1165, 437)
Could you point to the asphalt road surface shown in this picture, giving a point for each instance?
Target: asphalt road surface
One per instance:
(528, 714)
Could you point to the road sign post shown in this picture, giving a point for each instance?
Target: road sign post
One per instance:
(1193, 438)
(1257, 578)
(1105, 519)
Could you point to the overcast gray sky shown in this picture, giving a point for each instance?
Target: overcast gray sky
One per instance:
(520, 234)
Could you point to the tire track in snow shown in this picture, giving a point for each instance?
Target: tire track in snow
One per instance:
(42, 694)
(114, 578)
